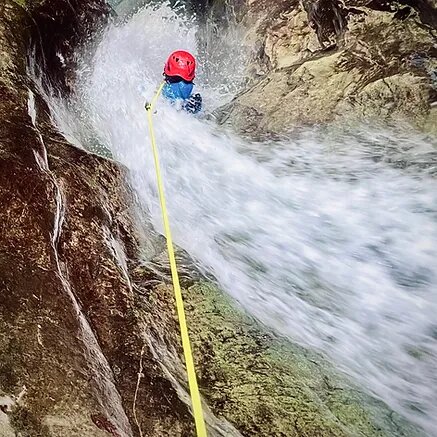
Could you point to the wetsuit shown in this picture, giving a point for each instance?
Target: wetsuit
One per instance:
(181, 91)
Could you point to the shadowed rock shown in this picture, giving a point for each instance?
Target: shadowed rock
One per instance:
(68, 330)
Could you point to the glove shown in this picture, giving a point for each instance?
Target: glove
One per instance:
(193, 104)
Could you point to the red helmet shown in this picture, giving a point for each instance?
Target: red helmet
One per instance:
(181, 63)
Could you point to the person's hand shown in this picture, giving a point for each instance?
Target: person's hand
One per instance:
(193, 104)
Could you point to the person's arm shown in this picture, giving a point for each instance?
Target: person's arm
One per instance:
(193, 104)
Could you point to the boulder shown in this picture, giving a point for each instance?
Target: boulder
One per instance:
(320, 61)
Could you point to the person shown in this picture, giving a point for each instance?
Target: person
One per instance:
(179, 73)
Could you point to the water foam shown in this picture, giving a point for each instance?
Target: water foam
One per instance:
(330, 239)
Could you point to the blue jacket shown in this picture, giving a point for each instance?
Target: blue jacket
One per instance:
(182, 91)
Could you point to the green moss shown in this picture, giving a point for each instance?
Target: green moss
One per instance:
(22, 3)
(27, 424)
(267, 386)
(99, 149)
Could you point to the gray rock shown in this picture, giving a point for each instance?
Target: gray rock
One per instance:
(327, 61)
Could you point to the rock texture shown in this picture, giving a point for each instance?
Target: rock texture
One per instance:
(60, 26)
(89, 342)
(70, 340)
(264, 385)
(323, 60)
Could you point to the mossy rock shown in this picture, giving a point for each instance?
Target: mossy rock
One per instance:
(263, 384)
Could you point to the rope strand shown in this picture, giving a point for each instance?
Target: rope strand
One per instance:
(192, 380)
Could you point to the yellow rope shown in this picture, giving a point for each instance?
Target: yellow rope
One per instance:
(192, 381)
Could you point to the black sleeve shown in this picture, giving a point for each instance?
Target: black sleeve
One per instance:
(194, 104)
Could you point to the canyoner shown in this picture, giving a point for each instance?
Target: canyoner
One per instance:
(179, 73)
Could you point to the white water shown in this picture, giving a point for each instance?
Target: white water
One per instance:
(322, 237)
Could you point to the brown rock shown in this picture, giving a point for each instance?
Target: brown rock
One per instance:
(331, 61)
(69, 332)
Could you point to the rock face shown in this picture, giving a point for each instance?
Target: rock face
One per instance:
(89, 342)
(263, 385)
(324, 60)
(70, 340)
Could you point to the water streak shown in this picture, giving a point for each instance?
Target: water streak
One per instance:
(329, 237)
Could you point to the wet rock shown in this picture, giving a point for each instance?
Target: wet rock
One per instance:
(68, 308)
(324, 60)
(89, 341)
(58, 28)
(262, 384)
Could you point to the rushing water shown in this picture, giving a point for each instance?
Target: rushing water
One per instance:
(329, 237)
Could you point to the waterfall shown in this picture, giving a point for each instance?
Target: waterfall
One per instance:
(329, 236)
